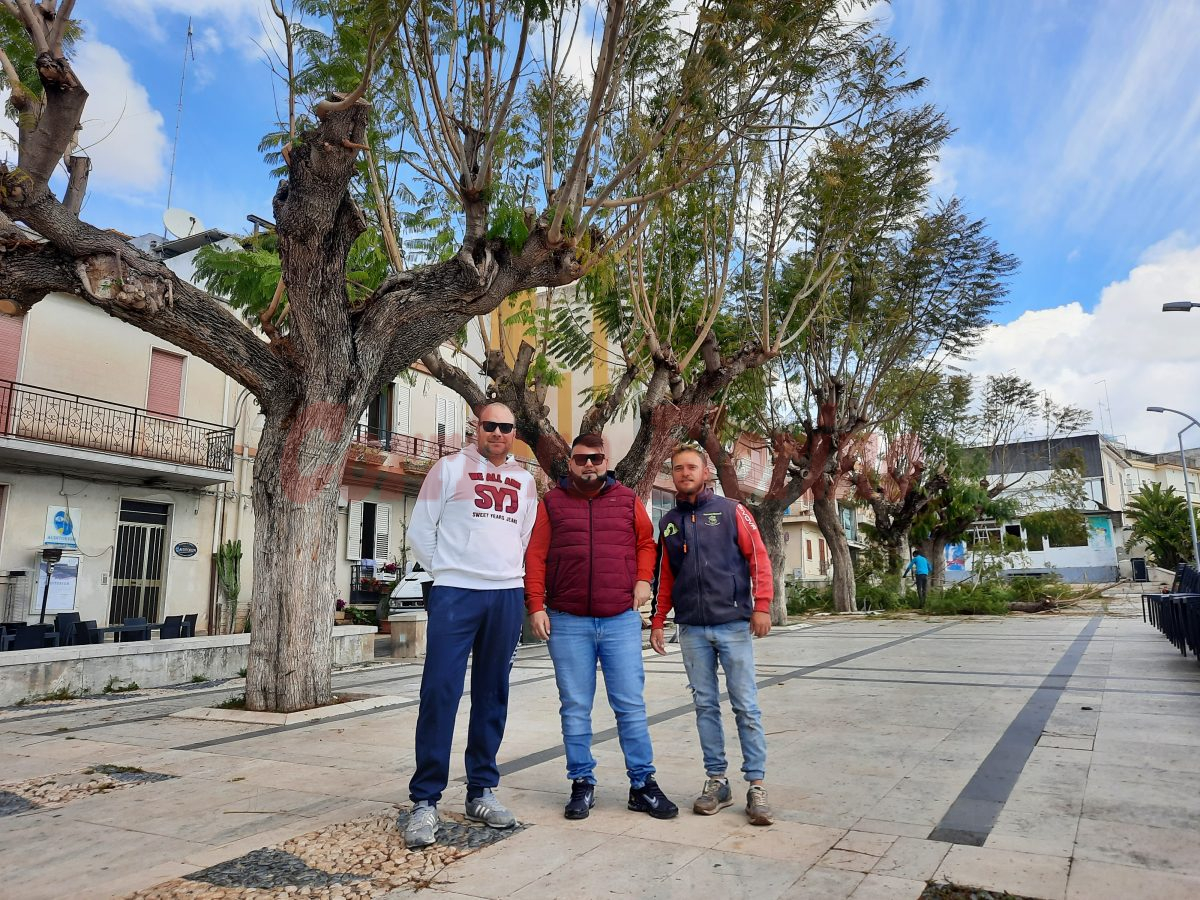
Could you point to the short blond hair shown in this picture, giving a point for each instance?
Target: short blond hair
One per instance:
(689, 448)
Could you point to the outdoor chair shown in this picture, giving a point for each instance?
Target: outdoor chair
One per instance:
(5, 638)
(29, 639)
(64, 624)
(172, 627)
(86, 633)
(138, 630)
(189, 624)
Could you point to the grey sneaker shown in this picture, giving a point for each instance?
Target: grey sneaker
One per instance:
(716, 795)
(758, 810)
(421, 830)
(490, 811)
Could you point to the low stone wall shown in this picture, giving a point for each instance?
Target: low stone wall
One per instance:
(88, 669)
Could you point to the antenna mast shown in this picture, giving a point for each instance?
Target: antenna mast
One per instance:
(187, 51)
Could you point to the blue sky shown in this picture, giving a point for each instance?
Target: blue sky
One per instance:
(1078, 139)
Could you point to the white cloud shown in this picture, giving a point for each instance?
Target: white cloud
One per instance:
(122, 132)
(1147, 357)
(244, 24)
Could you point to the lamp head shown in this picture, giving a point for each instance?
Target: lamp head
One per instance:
(1155, 409)
(1178, 305)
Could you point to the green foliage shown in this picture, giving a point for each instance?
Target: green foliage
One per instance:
(119, 686)
(882, 593)
(1064, 528)
(1160, 522)
(20, 51)
(62, 693)
(359, 615)
(247, 278)
(990, 598)
(229, 575)
(803, 599)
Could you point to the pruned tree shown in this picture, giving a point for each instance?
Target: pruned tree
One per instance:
(1160, 521)
(464, 81)
(694, 302)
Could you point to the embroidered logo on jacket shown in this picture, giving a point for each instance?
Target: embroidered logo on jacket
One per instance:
(670, 530)
(712, 518)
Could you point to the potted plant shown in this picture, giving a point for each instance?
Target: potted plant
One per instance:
(339, 612)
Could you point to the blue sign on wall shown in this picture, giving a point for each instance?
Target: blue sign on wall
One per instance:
(185, 549)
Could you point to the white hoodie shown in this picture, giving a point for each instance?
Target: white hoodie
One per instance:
(472, 522)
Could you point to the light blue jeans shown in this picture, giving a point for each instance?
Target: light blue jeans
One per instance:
(577, 643)
(731, 645)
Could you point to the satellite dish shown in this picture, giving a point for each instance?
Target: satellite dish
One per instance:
(182, 223)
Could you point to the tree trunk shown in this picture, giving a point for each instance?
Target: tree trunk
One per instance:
(297, 471)
(935, 552)
(825, 509)
(769, 516)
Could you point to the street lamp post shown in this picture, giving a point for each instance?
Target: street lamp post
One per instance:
(1179, 306)
(1187, 490)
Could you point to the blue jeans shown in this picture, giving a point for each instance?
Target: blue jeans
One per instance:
(731, 645)
(576, 644)
(485, 625)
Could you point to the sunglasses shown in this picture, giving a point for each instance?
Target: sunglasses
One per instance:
(502, 427)
(582, 459)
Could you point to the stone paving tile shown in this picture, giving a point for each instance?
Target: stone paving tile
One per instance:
(1092, 880)
(872, 843)
(820, 883)
(911, 859)
(1155, 848)
(849, 860)
(732, 875)
(886, 887)
(1024, 874)
(784, 840)
(624, 867)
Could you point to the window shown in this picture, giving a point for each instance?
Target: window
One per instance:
(808, 548)
(166, 383)
(375, 424)
(449, 422)
(660, 502)
(821, 562)
(403, 408)
(367, 532)
(10, 346)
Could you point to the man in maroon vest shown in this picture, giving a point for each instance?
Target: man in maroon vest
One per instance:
(587, 570)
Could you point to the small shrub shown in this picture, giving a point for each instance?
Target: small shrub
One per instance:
(116, 686)
(238, 701)
(803, 599)
(199, 679)
(987, 599)
(886, 593)
(360, 616)
(60, 694)
(242, 672)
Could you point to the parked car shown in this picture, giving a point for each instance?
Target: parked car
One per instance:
(412, 590)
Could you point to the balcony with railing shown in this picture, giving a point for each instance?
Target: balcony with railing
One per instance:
(377, 453)
(44, 426)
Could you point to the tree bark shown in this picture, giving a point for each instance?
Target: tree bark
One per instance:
(825, 509)
(769, 516)
(296, 475)
(935, 552)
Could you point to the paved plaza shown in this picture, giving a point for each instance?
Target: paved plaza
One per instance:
(1049, 756)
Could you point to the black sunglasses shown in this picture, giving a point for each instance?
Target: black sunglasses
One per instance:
(582, 459)
(504, 427)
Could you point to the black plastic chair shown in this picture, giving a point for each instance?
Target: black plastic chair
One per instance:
(172, 627)
(29, 639)
(138, 630)
(86, 633)
(64, 624)
(5, 638)
(189, 624)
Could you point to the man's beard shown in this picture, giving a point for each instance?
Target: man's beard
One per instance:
(588, 484)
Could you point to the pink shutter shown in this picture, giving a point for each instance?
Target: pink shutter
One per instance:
(166, 383)
(10, 345)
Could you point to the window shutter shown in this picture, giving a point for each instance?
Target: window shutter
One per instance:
(10, 345)
(166, 383)
(402, 409)
(354, 532)
(442, 408)
(383, 516)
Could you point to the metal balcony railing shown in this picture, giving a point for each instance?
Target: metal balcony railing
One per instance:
(54, 417)
(421, 448)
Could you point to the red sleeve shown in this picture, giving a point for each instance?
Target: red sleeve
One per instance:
(752, 547)
(535, 561)
(662, 596)
(647, 550)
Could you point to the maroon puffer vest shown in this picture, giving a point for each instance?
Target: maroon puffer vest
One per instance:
(592, 564)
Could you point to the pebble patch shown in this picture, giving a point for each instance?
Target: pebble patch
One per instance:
(52, 791)
(355, 860)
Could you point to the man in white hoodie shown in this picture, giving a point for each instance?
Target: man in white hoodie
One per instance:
(470, 528)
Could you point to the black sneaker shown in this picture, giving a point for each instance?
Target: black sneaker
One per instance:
(649, 798)
(583, 798)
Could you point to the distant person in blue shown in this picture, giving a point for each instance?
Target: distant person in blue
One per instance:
(919, 566)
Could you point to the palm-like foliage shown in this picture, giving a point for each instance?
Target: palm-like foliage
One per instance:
(1161, 523)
